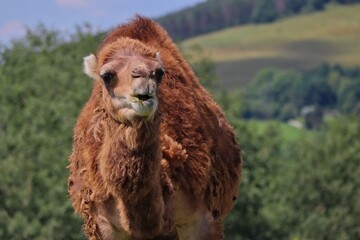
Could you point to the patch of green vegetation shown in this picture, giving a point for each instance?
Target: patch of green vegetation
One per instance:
(287, 132)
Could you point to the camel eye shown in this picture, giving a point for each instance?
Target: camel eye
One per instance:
(108, 77)
(159, 73)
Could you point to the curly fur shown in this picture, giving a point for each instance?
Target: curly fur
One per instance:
(136, 181)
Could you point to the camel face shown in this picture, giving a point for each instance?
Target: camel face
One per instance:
(131, 85)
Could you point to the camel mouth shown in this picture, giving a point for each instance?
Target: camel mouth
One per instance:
(139, 98)
(143, 98)
(144, 105)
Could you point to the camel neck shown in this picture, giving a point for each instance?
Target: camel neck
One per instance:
(140, 136)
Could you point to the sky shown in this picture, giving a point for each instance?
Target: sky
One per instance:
(64, 15)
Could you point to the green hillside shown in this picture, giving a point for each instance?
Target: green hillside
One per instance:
(302, 42)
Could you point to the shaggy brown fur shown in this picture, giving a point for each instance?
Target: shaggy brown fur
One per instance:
(173, 175)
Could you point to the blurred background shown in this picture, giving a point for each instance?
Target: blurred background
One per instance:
(286, 73)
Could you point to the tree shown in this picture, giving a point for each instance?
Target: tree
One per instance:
(324, 181)
(264, 11)
(251, 217)
(42, 89)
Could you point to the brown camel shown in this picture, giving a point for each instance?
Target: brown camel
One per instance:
(153, 156)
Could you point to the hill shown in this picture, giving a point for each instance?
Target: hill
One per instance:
(212, 15)
(301, 42)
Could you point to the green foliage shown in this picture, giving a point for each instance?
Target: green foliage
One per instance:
(206, 17)
(232, 103)
(270, 90)
(322, 183)
(264, 11)
(42, 89)
(297, 6)
(346, 83)
(285, 94)
(314, 5)
(261, 164)
(306, 188)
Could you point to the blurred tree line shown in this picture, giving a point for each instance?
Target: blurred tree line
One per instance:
(213, 15)
(306, 188)
(286, 94)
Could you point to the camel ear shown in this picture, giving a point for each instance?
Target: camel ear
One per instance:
(90, 65)
(158, 57)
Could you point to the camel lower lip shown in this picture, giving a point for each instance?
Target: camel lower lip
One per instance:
(144, 108)
(143, 102)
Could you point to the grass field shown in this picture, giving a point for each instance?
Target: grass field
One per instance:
(302, 42)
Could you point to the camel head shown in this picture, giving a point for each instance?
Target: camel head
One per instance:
(129, 73)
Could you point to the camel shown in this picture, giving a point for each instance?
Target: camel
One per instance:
(153, 155)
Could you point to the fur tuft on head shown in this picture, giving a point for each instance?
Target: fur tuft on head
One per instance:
(90, 65)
